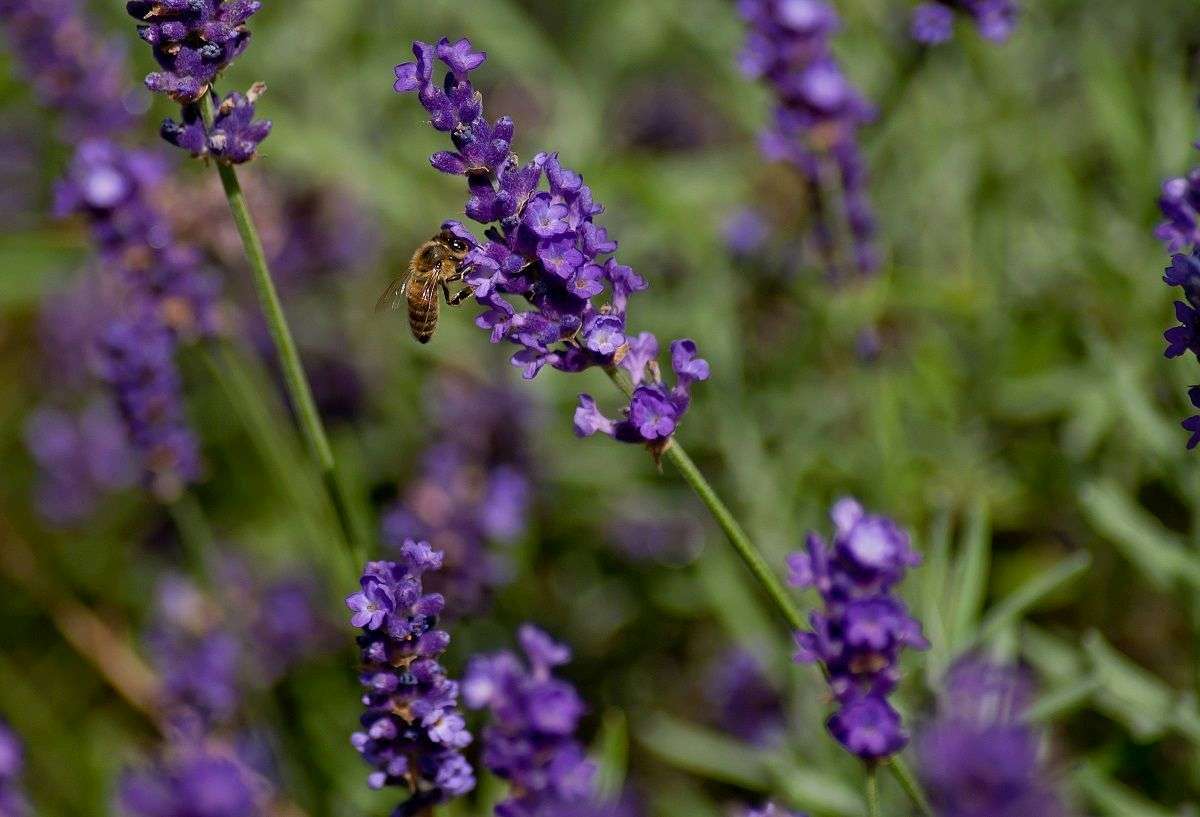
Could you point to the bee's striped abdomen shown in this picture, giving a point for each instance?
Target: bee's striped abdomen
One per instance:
(422, 309)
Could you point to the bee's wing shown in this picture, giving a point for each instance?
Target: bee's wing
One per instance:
(429, 291)
(393, 297)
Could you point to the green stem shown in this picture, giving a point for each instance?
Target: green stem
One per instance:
(908, 782)
(295, 381)
(872, 792)
(195, 534)
(758, 566)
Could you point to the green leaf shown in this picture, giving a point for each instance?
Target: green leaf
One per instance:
(1127, 693)
(1161, 554)
(1112, 798)
(814, 791)
(612, 751)
(1010, 609)
(706, 752)
(971, 574)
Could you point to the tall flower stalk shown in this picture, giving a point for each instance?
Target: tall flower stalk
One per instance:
(193, 43)
(544, 247)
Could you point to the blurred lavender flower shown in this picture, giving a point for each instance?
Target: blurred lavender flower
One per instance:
(979, 758)
(12, 766)
(745, 231)
(412, 730)
(817, 117)
(235, 134)
(542, 245)
(193, 778)
(770, 810)
(746, 703)
(196, 655)
(192, 40)
(530, 741)
(74, 71)
(473, 490)
(641, 532)
(863, 627)
(80, 459)
(933, 21)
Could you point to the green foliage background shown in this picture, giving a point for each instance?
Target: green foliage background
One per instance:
(1020, 420)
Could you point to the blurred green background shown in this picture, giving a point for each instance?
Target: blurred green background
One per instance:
(1019, 417)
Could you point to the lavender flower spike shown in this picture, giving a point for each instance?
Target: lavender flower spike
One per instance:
(863, 627)
(12, 765)
(817, 117)
(531, 740)
(192, 40)
(544, 247)
(933, 21)
(235, 134)
(412, 732)
(979, 757)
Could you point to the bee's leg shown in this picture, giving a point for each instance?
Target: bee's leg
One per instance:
(460, 296)
(445, 290)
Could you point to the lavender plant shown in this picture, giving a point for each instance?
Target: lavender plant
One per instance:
(933, 22)
(860, 633)
(530, 741)
(12, 766)
(980, 757)
(1180, 234)
(194, 777)
(544, 246)
(746, 703)
(817, 116)
(412, 732)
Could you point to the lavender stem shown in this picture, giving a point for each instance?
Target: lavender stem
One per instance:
(759, 567)
(295, 381)
(872, 792)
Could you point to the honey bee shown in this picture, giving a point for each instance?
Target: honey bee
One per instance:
(436, 263)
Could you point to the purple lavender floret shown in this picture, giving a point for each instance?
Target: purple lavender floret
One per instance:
(1180, 232)
(192, 40)
(193, 778)
(73, 70)
(979, 758)
(933, 21)
(138, 365)
(817, 116)
(12, 766)
(770, 810)
(81, 458)
(746, 703)
(530, 741)
(543, 245)
(863, 627)
(235, 134)
(412, 732)
(654, 410)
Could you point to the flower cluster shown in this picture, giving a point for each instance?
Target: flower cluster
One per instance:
(530, 741)
(746, 703)
(933, 21)
(472, 491)
(863, 627)
(979, 757)
(1180, 234)
(193, 778)
(654, 411)
(192, 40)
(164, 294)
(412, 732)
(817, 117)
(542, 245)
(75, 72)
(235, 134)
(12, 765)
(80, 459)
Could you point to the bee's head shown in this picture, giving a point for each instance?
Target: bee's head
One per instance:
(455, 246)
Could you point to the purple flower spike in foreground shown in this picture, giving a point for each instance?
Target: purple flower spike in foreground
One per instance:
(979, 758)
(412, 732)
(933, 21)
(817, 117)
(863, 627)
(543, 245)
(193, 41)
(531, 740)
(12, 765)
